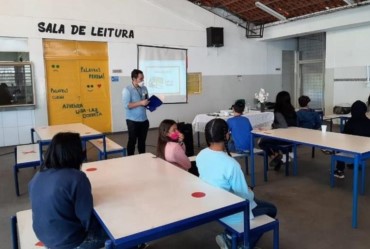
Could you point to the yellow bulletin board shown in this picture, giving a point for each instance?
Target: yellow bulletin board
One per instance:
(78, 87)
(194, 83)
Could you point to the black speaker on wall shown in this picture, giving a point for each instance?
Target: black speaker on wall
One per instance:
(215, 37)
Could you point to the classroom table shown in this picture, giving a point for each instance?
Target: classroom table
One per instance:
(141, 198)
(46, 133)
(256, 118)
(357, 145)
(343, 118)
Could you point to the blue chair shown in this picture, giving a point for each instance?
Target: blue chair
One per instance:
(23, 235)
(260, 224)
(25, 156)
(285, 149)
(246, 154)
(347, 158)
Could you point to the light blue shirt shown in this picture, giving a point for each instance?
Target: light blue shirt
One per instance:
(220, 170)
(131, 94)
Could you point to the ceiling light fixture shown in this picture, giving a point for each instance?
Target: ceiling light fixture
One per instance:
(270, 11)
(349, 2)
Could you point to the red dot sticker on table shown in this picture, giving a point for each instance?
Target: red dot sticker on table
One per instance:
(39, 244)
(198, 194)
(91, 169)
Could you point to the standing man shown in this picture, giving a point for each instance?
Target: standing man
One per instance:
(135, 99)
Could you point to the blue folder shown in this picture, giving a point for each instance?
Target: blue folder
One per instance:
(154, 102)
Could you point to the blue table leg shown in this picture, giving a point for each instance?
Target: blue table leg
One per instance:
(105, 147)
(246, 226)
(295, 164)
(355, 191)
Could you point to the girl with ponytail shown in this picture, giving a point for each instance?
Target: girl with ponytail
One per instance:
(221, 170)
(170, 146)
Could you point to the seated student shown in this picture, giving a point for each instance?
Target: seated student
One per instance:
(284, 116)
(307, 117)
(240, 129)
(5, 96)
(61, 199)
(221, 170)
(170, 146)
(358, 125)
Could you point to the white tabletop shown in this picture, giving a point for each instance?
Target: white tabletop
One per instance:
(334, 140)
(138, 193)
(46, 133)
(258, 119)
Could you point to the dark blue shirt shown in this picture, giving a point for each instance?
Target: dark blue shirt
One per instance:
(308, 118)
(62, 205)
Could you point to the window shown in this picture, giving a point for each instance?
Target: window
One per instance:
(16, 84)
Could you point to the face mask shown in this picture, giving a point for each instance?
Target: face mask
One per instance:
(175, 136)
(140, 84)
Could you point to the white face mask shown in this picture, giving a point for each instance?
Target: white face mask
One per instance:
(140, 84)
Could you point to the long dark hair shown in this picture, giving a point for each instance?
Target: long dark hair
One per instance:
(65, 151)
(163, 129)
(284, 105)
(216, 131)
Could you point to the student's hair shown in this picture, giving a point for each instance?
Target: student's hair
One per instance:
(358, 110)
(163, 129)
(239, 106)
(135, 73)
(65, 151)
(303, 101)
(283, 105)
(216, 131)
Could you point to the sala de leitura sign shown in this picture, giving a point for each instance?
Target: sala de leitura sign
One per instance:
(54, 28)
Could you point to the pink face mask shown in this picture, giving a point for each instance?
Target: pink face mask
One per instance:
(175, 136)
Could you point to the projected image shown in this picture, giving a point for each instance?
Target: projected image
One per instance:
(165, 72)
(163, 79)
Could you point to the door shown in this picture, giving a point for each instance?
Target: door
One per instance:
(78, 83)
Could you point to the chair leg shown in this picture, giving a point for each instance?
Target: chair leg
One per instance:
(246, 164)
(287, 163)
(332, 162)
(108, 244)
(13, 221)
(15, 172)
(234, 241)
(276, 236)
(313, 152)
(265, 166)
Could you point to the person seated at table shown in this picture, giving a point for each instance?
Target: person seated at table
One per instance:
(61, 198)
(219, 169)
(284, 116)
(170, 146)
(240, 129)
(307, 117)
(5, 96)
(358, 124)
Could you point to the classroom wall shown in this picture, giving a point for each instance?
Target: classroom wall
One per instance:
(236, 70)
(347, 58)
(347, 51)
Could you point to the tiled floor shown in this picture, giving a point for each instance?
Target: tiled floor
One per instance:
(311, 214)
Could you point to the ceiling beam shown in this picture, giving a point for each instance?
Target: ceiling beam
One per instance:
(230, 2)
